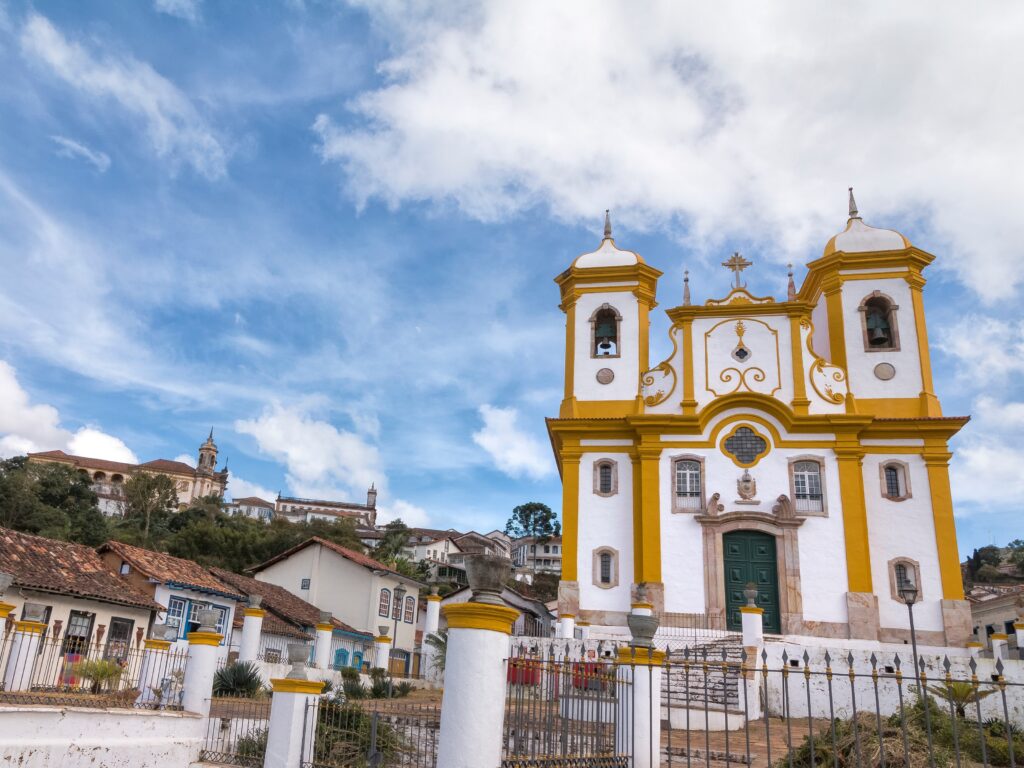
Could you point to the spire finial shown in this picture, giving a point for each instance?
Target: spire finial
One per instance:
(686, 287)
(737, 264)
(791, 287)
(607, 224)
(211, 434)
(853, 206)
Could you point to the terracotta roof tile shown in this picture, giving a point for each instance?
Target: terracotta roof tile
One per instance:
(169, 569)
(253, 501)
(349, 554)
(110, 466)
(166, 465)
(64, 568)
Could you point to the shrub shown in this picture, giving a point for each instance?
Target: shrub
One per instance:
(102, 673)
(343, 736)
(403, 689)
(252, 744)
(350, 673)
(241, 678)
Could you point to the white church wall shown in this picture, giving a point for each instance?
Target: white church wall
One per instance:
(903, 529)
(625, 366)
(605, 521)
(861, 363)
(820, 342)
(682, 549)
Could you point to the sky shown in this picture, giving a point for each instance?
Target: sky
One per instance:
(329, 230)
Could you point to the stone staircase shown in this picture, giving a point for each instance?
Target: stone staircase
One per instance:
(696, 675)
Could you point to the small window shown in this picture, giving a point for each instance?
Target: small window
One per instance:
(605, 332)
(904, 572)
(410, 610)
(895, 485)
(606, 477)
(878, 315)
(304, 584)
(125, 568)
(384, 608)
(688, 485)
(807, 487)
(606, 568)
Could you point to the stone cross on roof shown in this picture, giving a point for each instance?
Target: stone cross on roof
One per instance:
(737, 264)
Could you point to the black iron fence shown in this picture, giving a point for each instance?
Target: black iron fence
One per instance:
(236, 731)
(36, 669)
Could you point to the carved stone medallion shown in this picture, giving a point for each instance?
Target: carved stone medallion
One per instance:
(605, 376)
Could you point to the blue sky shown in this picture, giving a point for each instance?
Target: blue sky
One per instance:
(329, 229)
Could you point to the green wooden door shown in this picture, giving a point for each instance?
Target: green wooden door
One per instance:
(750, 556)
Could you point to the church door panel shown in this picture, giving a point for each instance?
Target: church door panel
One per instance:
(750, 556)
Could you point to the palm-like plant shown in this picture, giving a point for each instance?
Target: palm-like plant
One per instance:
(242, 678)
(439, 642)
(959, 694)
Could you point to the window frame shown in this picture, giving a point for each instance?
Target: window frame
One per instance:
(701, 494)
(913, 565)
(384, 609)
(593, 333)
(903, 468)
(820, 461)
(614, 466)
(894, 329)
(409, 610)
(596, 565)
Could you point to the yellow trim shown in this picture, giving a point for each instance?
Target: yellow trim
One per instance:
(647, 567)
(494, 618)
(324, 627)
(154, 644)
(999, 636)
(604, 409)
(643, 347)
(582, 623)
(891, 407)
(383, 640)
(1018, 625)
(570, 512)
(736, 428)
(974, 644)
(751, 609)
(640, 657)
(566, 616)
(836, 331)
(689, 404)
(937, 465)
(5, 609)
(638, 522)
(204, 638)
(257, 612)
(740, 374)
(855, 519)
(929, 402)
(291, 685)
(30, 627)
(800, 402)
(649, 606)
(570, 350)
(433, 598)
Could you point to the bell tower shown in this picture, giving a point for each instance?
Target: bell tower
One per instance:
(607, 296)
(208, 455)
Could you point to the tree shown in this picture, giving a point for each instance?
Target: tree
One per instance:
(534, 520)
(49, 499)
(69, 490)
(149, 499)
(395, 539)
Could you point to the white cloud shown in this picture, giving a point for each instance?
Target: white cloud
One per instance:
(321, 460)
(240, 489)
(985, 470)
(187, 458)
(174, 126)
(408, 513)
(72, 148)
(189, 10)
(26, 427)
(514, 452)
(724, 123)
(983, 343)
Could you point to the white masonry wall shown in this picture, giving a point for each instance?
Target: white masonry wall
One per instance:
(626, 366)
(605, 521)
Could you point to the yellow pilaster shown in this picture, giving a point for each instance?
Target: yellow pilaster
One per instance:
(570, 511)
(800, 402)
(937, 464)
(5, 609)
(855, 519)
(929, 402)
(836, 331)
(569, 400)
(689, 403)
(647, 559)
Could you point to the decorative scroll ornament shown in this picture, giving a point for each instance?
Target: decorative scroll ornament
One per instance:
(658, 384)
(739, 296)
(746, 486)
(828, 380)
(765, 380)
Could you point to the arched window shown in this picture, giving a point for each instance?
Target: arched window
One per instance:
(807, 486)
(904, 572)
(605, 332)
(606, 568)
(384, 609)
(895, 482)
(410, 610)
(878, 315)
(606, 477)
(99, 476)
(688, 485)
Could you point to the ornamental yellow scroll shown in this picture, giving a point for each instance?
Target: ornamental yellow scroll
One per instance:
(827, 380)
(658, 384)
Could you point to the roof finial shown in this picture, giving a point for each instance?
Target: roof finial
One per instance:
(853, 206)
(791, 288)
(686, 287)
(211, 434)
(607, 224)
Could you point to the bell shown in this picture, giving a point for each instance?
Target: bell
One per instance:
(605, 345)
(605, 329)
(877, 337)
(878, 329)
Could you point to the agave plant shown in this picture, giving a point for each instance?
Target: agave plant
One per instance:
(959, 694)
(241, 678)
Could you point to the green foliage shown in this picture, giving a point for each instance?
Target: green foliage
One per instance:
(149, 501)
(533, 519)
(253, 744)
(395, 539)
(51, 500)
(240, 678)
(543, 588)
(102, 673)
(960, 695)
(439, 642)
(343, 737)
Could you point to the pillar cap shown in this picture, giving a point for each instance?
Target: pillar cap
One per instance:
(204, 638)
(999, 636)
(258, 612)
(156, 644)
(975, 644)
(582, 623)
(566, 616)
(646, 657)
(30, 627)
(1018, 625)
(295, 685)
(751, 609)
(433, 598)
(495, 618)
(5, 609)
(648, 606)
(383, 640)
(325, 627)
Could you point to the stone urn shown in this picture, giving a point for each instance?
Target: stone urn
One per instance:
(164, 632)
(254, 601)
(207, 618)
(642, 628)
(298, 657)
(487, 576)
(382, 630)
(6, 580)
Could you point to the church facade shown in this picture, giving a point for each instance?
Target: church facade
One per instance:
(794, 447)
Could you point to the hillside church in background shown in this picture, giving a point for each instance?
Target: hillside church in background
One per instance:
(795, 444)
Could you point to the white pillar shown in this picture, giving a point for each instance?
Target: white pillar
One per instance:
(974, 647)
(21, 658)
(473, 709)
(998, 645)
(1018, 630)
(285, 732)
(642, 608)
(753, 626)
(381, 651)
(566, 626)
(431, 622)
(638, 728)
(252, 628)
(199, 670)
(584, 629)
(153, 670)
(5, 615)
(322, 649)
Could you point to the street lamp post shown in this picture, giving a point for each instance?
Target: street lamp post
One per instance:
(908, 594)
(399, 601)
